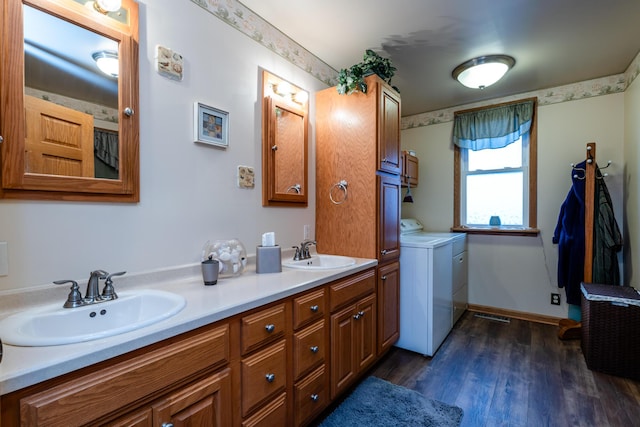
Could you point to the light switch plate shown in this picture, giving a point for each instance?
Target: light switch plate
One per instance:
(246, 177)
(4, 259)
(169, 64)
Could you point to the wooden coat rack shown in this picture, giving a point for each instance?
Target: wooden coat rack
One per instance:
(569, 328)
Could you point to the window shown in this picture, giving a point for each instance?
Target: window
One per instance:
(495, 188)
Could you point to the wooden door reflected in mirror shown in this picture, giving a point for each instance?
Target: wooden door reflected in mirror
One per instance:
(285, 145)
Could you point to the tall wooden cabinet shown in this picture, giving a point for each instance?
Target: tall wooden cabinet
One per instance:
(358, 167)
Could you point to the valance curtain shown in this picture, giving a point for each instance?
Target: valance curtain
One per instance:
(492, 127)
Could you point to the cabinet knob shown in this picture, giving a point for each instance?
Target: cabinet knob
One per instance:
(274, 148)
(314, 308)
(384, 277)
(314, 349)
(270, 377)
(384, 251)
(356, 316)
(129, 112)
(315, 397)
(270, 327)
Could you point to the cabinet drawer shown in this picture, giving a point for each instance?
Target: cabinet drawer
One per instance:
(351, 288)
(308, 308)
(94, 395)
(262, 327)
(273, 414)
(310, 396)
(263, 376)
(308, 348)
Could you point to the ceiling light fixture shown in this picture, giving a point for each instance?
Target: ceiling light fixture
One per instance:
(106, 6)
(482, 72)
(107, 61)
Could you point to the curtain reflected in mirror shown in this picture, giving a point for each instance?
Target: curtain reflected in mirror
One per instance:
(71, 107)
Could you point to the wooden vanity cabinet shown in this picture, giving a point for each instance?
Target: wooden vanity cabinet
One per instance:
(353, 329)
(310, 350)
(177, 380)
(281, 364)
(263, 367)
(388, 293)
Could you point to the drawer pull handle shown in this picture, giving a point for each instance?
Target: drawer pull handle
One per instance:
(314, 308)
(167, 425)
(315, 397)
(270, 377)
(314, 349)
(270, 327)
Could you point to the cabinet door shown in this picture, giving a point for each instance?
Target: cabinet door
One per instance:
(353, 343)
(389, 219)
(343, 339)
(410, 170)
(365, 345)
(206, 403)
(389, 131)
(388, 306)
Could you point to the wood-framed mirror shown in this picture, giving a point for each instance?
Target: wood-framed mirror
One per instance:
(69, 130)
(284, 143)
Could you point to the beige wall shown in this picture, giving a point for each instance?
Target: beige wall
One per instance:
(519, 273)
(188, 191)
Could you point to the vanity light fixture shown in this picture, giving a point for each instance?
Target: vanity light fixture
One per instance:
(301, 97)
(106, 6)
(483, 71)
(107, 61)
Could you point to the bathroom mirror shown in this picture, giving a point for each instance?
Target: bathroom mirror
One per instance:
(284, 142)
(70, 130)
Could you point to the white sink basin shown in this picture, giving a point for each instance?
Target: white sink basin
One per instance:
(321, 262)
(54, 325)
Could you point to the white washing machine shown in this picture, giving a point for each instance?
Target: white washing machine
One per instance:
(426, 287)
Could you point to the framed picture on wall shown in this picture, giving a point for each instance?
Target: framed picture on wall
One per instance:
(211, 125)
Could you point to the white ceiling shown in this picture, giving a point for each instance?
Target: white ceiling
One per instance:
(554, 42)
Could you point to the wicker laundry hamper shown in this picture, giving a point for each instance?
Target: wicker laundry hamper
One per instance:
(611, 329)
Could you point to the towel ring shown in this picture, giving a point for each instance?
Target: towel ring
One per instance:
(342, 185)
(295, 187)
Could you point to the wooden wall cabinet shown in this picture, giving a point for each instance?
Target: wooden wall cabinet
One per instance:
(358, 142)
(410, 169)
(361, 148)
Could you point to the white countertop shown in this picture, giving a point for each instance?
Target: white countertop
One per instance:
(25, 366)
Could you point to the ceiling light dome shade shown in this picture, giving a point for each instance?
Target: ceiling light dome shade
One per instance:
(482, 72)
(107, 62)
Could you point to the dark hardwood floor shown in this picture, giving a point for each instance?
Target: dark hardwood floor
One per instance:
(515, 374)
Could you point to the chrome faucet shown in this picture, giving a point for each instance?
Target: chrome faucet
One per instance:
(93, 287)
(92, 296)
(304, 248)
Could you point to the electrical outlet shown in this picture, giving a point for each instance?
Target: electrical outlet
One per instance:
(555, 299)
